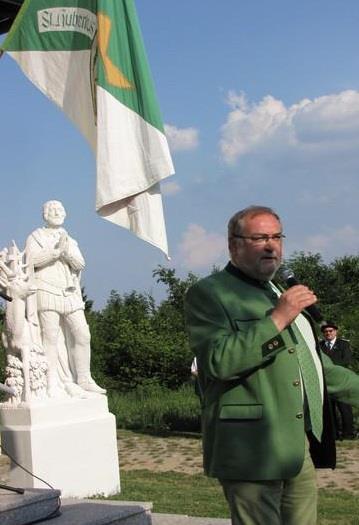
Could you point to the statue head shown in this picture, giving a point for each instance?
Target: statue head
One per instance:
(53, 213)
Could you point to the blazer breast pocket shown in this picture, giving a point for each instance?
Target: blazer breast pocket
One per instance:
(241, 412)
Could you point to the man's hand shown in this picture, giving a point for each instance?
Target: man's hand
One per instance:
(290, 304)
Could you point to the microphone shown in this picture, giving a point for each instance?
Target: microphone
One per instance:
(290, 280)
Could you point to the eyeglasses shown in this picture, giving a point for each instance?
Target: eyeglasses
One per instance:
(262, 239)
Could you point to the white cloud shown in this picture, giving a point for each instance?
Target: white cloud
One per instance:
(327, 124)
(201, 249)
(331, 118)
(332, 243)
(170, 188)
(248, 125)
(181, 139)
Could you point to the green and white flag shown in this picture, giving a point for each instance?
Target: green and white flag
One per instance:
(88, 57)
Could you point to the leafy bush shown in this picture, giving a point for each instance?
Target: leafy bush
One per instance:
(135, 341)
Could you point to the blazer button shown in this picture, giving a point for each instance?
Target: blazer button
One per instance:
(275, 342)
(296, 382)
(270, 346)
(299, 415)
(291, 350)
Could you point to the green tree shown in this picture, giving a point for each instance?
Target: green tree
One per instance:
(176, 287)
(87, 302)
(337, 286)
(134, 341)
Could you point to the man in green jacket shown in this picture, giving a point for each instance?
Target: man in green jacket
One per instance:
(266, 417)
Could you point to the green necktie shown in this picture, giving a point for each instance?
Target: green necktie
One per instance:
(312, 390)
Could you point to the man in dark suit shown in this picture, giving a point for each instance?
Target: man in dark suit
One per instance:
(264, 381)
(340, 353)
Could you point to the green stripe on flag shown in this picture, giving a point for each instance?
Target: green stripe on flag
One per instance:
(126, 58)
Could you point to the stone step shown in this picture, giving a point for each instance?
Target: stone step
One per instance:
(103, 512)
(32, 505)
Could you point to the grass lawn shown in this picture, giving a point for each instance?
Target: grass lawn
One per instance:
(174, 493)
(338, 507)
(196, 495)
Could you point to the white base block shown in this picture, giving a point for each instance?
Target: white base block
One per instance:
(71, 444)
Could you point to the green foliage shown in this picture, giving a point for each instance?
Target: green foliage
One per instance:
(311, 270)
(151, 407)
(176, 287)
(88, 302)
(337, 287)
(135, 341)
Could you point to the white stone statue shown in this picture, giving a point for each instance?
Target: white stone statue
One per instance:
(65, 336)
(56, 419)
(26, 363)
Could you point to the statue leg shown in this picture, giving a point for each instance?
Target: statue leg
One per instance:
(81, 351)
(50, 326)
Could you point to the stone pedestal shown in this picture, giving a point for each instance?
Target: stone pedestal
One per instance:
(71, 444)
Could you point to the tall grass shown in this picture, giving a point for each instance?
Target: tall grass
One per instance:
(154, 408)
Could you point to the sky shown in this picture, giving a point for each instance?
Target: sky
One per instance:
(260, 101)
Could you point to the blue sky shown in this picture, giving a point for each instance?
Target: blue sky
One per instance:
(261, 105)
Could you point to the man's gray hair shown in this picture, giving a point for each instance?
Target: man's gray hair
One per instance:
(235, 224)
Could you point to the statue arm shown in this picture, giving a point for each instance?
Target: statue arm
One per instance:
(73, 256)
(40, 255)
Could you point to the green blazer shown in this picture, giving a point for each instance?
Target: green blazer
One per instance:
(253, 419)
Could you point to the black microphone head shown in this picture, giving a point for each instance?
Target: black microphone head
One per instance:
(286, 273)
